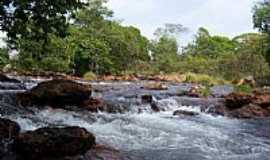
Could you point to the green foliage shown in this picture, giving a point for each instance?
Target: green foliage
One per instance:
(4, 57)
(203, 79)
(243, 89)
(35, 19)
(165, 54)
(208, 45)
(89, 76)
(205, 91)
(261, 21)
(58, 58)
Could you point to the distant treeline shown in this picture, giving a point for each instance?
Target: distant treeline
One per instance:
(81, 37)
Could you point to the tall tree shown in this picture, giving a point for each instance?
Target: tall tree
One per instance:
(36, 19)
(261, 20)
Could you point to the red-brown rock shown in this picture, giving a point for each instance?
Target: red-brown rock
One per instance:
(93, 105)
(53, 143)
(55, 93)
(238, 100)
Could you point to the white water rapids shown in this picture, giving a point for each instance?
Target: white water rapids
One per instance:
(161, 136)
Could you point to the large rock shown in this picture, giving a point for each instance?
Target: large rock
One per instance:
(4, 78)
(53, 143)
(239, 105)
(55, 93)
(8, 131)
(237, 100)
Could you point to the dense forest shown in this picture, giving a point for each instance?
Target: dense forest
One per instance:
(83, 39)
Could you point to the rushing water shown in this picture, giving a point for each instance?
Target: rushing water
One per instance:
(161, 136)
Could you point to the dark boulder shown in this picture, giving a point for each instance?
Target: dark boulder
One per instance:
(147, 98)
(93, 105)
(8, 131)
(4, 78)
(99, 152)
(53, 143)
(237, 100)
(184, 113)
(105, 153)
(55, 93)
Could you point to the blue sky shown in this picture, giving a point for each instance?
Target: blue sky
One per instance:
(224, 17)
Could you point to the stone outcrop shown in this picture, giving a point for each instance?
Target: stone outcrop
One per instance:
(55, 93)
(53, 143)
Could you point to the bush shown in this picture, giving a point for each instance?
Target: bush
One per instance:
(244, 89)
(203, 79)
(89, 76)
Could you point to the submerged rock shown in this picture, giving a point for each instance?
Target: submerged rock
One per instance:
(55, 93)
(93, 105)
(184, 113)
(47, 143)
(105, 153)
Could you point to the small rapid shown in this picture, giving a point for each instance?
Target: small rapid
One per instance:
(149, 135)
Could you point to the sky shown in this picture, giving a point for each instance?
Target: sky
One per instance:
(223, 17)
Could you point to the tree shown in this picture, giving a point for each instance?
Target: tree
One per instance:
(212, 46)
(165, 54)
(261, 20)
(4, 57)
(261, 16)
(105, 46)
(36, 19)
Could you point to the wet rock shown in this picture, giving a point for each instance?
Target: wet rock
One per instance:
(99, 152)
(55, 93)
(262, 97)
(93, 105)
(237, 100)
(155, 86)
(147, 98)
(105, 153)
(48, 143)
(8, 131)
(239, 105)
(250, 111)
(155, 107)
(184, 113)
(4, 78)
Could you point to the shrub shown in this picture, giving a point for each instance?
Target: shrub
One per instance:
(203, 79)
(244, 89)
(89, 76)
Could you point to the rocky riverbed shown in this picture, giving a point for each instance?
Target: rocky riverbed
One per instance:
(123, 120)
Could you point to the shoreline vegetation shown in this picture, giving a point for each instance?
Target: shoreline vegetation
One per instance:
(91, 44)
